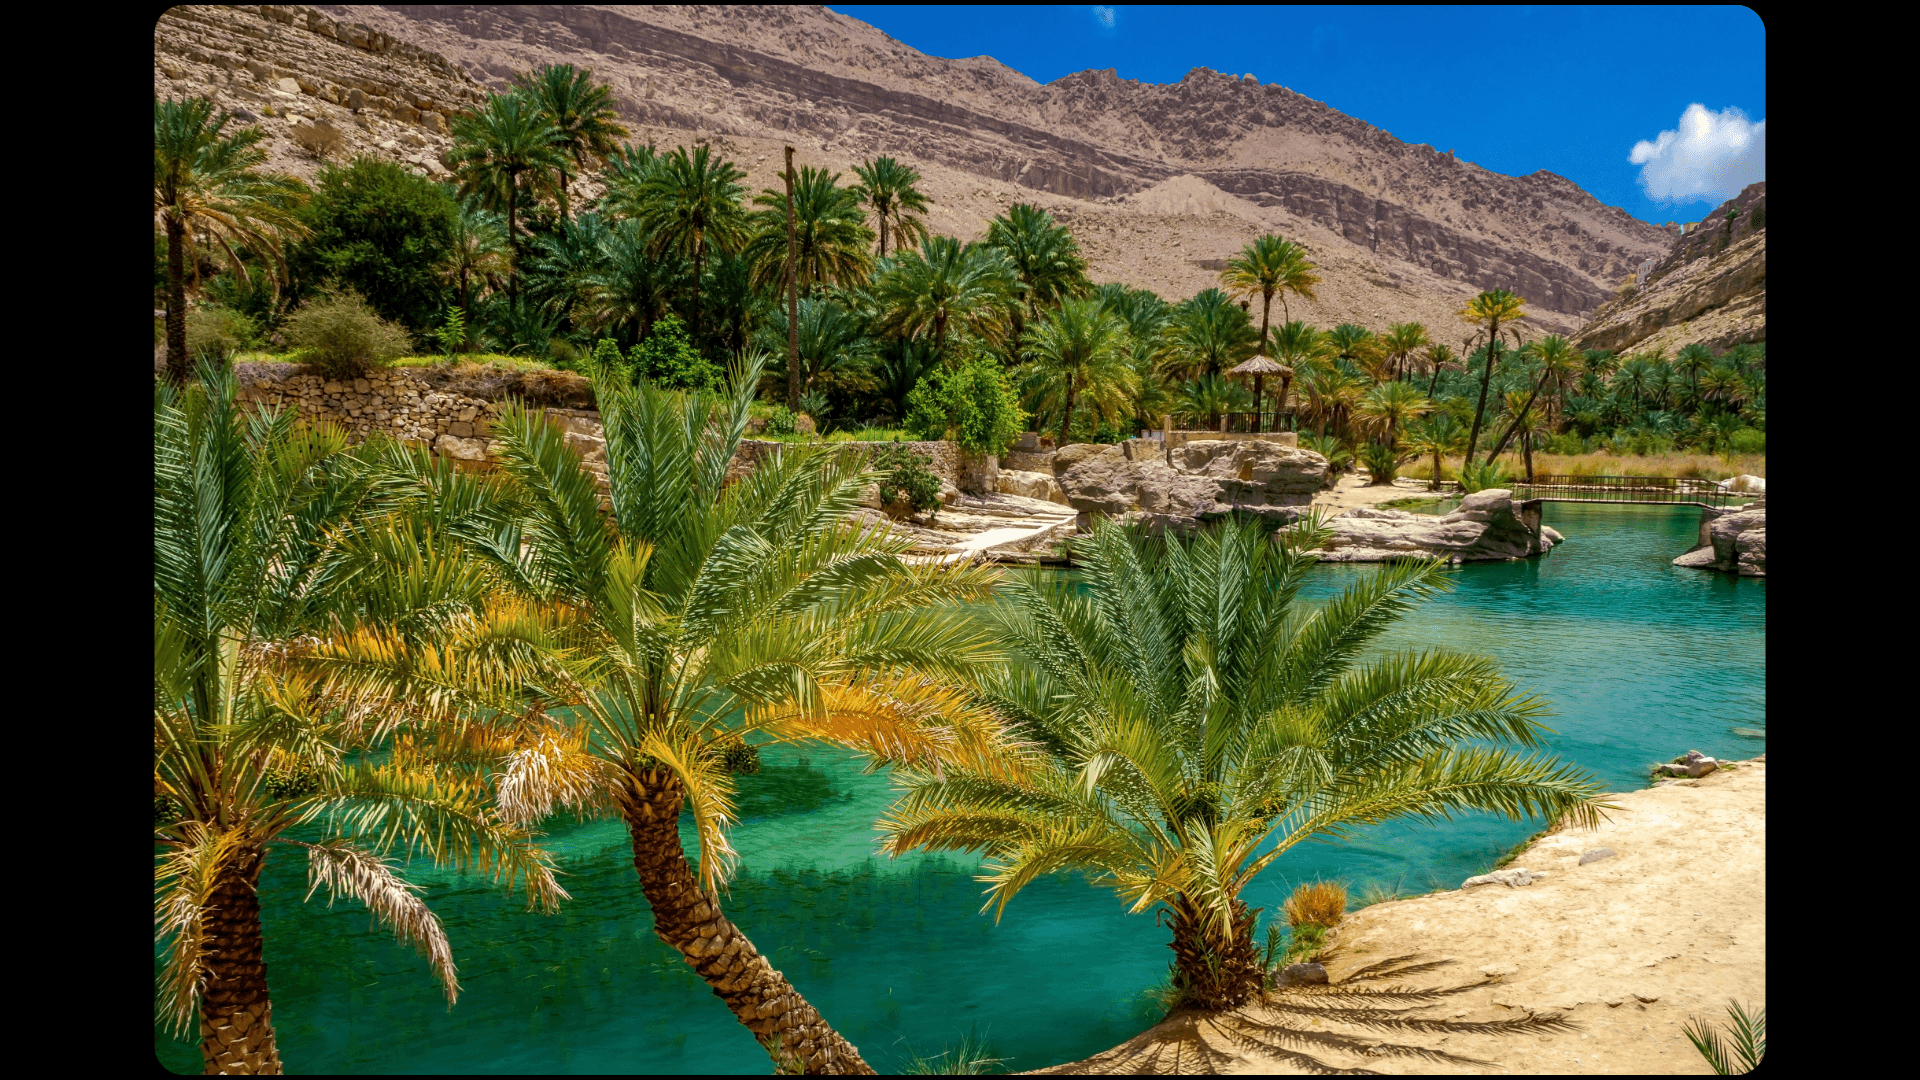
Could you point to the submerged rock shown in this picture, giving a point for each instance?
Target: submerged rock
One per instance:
(1487, 525)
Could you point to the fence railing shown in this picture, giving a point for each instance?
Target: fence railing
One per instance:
(1627, 489)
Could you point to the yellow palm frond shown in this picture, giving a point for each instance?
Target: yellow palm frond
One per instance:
(183, 884)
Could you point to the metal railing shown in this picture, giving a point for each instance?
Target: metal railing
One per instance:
(1652, 490)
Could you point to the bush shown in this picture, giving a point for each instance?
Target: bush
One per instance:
(1317, 903)
(1309, 941)
(218, 332)
(607, 365)
(1566, 443)
(1486, 474)
(1749, 441)
(382, 231)
(667, 358)
(780, 421)
(1339, 458)
(1381, 461)
(974, 405)
(905, 478)
(340, 334)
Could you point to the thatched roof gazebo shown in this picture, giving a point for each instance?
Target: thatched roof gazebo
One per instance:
(1260, 367)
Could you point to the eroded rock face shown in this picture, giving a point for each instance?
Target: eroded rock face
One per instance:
(1204, 480)
(1487, 525)
(1737, 543)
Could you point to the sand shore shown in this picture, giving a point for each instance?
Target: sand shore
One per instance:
(1593, 970)
(1350, 491)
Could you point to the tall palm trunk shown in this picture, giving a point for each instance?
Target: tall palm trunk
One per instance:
(1066, 416)
(793, 298)
(1486, 378)
(883, 229)
(1218, 975)
(513, 235)
(699, 260)
(1266, 308)
(176, 302)
(1519, 416)
(688, 918)
(236, 1017)
(1286, 383)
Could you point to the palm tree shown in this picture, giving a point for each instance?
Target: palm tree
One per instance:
(1556, 358)
(1347, 341)
(631, 287)
(710, 611)
(1147, 317)
(1267, 266)
(1519, 406)
(1298, 346)
(1400, 341)
(304, 613)
(1210, 397)
(1439, 357)
(1692, 360)
(830, 237)
(923, 293)
(1488, 313)
(1332, 395)
(689, 202)
(1188, 726)
(887, 188)
(1209, 334)
(829, 335)
(503, 152)
(479, 253)
(1438, 435)
(1044, 255)
(565, 259)
(1080, 351)
(207, 182)
(582, 115)
(1389, 405)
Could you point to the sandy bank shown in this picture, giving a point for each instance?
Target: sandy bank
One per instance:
(1593, 970)
(1351, 491)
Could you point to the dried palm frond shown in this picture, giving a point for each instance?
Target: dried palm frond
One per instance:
(347, 870)
(184, 880)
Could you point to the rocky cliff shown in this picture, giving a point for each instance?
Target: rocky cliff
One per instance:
(1160, 182)
(1712, 288)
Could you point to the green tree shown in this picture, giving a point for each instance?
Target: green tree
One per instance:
(690, 203)
(503, 153)
(1189, 725)
(382, 231)
(307, 612)
(1205, 398)
(830, 235)
(887, 188)
(1146, 316)
(831, 338)
(479, 253)
(974, 404)
(208, 182)
(1691, 361)
(1080, 353)
(585, 124)
(1387, 407)
(1489, 313)
(1209, 334)
(1298, 346)
(1436, 436)
(923, 294)
(631, 288)
(1400, 341)
(1044, 255)
(1555, 355)
(1267, 267)
(1440, 358)
(708, 613)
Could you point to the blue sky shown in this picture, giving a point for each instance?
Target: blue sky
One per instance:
(1603, 96)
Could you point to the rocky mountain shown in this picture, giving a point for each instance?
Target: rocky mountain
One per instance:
(1161, 183)
(1711, 289)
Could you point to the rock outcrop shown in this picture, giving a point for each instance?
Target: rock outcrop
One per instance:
(1736, 542)
(1712, 289)
(1139, 480)
(1488, 525)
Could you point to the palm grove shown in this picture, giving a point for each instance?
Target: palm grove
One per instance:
(364, 656)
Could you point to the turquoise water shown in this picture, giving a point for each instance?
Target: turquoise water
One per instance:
(1641, 660)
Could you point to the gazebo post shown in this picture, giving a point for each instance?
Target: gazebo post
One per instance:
(1257, 404)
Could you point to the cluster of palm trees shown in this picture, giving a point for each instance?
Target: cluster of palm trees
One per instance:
(360, 653)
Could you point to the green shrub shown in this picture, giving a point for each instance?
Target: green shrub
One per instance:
(452, 335)
(218, 332)
(1309, 941)
(607, 365)
(667, 358)
(780, 421)
(905, 478)
(340, 334)
(1485, 474)
(1381, 461)
(814, 404)
(383, 231)
(975, 405)
(1339, 458)
(1565, 443)
(1749, 441)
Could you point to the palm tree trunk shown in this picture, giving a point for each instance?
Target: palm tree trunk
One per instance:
(1517, 417)
(236, 1017)
(793, 301)
(1266, 308)
(1286, 381)
(1486, 378)
(1217, 976)
(1526, 451)
(176, 302)
(513, 236)
(688, 918)
(1066, 415)
(563, 196)
(883, 233)
(1257, 395)
(1435, 384)
(1434, 483)
(699, 251)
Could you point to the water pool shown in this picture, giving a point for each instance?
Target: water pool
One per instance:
(1641, 661)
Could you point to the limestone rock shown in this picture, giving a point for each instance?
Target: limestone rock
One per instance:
(459, 449)
(1510, 877)
(1596, 855)
(1031, 485)
(1303, 974)
(1203, 480)
(1487, 525)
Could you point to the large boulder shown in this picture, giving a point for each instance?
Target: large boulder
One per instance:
(1488, 525)
(1030, 485)
(1736, 542)
(1140, 480)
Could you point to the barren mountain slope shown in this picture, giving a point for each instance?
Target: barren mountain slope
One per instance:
(1712, 289)
(1408, 230)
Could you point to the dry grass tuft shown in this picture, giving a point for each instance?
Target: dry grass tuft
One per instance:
(1601, 463)
(1317, 903)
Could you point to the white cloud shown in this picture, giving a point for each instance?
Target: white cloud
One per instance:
(1713, 155)
(1103, 16)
